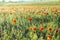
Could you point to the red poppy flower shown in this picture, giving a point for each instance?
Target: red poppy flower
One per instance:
(29, 19)
(14, 20)
(49, 37)
(34, 29)
(50, 29)
(42, 28)
(56, 30)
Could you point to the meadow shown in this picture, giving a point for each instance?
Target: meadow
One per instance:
(29, 22)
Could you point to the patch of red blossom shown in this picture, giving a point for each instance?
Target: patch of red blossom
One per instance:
(14, 20)
(41, 28)
(29, 19)
(34, 29)
(56, 30)
(50, 29)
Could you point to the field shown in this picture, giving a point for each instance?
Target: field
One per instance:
(29, 22)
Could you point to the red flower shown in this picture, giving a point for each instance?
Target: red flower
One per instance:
(29, 19)
(50, 29)
(14, 20)
(56, 30)
(49, 37)
(42, 28)
(34, 29)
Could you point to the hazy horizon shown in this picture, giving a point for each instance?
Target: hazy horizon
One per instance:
(30, 0)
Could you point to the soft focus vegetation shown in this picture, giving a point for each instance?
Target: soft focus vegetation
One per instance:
(30, 22)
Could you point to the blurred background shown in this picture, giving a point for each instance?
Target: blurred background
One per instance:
(29, 0)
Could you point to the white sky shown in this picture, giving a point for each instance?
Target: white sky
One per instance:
(0, 0)
(30, 0)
